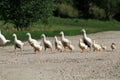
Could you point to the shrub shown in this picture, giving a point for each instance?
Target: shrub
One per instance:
(65, 10)
(96, 12)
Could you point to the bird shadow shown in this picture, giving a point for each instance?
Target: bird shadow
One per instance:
(109, 51)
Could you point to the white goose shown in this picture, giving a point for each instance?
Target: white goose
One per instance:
(58, 44)
(31, 40)
(37, 47)
(71, 47)
(104, 47)
(86, 39)
(17, 43)
(82, 45)
(3, 40)
(96, 47)
(64, 40)
(47, 43)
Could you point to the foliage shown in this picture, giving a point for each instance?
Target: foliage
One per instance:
(110, 6)
(100, 9)
(23, 12)
(65, 10)
(69, 26)
(96, 12)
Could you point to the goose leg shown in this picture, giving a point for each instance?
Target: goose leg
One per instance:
(15, 49)
(3, 46)
(51, 49)
(83, 50)
(45, 48)
(21, 50)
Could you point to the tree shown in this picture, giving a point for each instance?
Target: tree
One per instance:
(83, 7)
(23, 12)
(111, 7)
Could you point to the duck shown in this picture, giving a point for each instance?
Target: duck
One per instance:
(17, 43)
(96, 47)
(58, 44)
(71, 47)
(31, 41)
(64, 40)
(37, 47)
(82, 45)
(113, 46)
(104, 47)
(3, 40)
(47, 43)
(87, 40)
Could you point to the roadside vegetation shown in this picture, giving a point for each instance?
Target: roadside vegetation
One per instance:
(69, 26)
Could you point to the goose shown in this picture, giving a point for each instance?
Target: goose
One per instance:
(104, 47)
(37, 47)
(113, 46)
(71, 47)
(47, 43)
(3, 40)
(87, 40)
(82, 45)
(31, 41)
(64, 40)
(96, 47)
(17, 43)
(58, 44)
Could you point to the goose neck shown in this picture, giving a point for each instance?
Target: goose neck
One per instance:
(30, 37)
(55, 39)
(84, 34)
(44, 38)
(63, 36)
(15, 38)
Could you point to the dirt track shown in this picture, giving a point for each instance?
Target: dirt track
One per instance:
(63, 66)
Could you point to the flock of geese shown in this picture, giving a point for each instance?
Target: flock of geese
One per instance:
(60, 45)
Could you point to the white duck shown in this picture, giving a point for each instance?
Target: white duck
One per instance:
(31, 40)
(17, 43)
(96, 47)
(3, 40)
(58, 44)
(113, 46)
(82, 45)
(64, 40)
(87, 40)
(47, 43)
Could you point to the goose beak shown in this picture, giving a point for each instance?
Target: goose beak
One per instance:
(60, 33)
(81, 30)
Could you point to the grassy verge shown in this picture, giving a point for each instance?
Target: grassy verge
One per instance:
(69, 26)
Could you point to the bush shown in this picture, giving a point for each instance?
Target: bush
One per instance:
(96, 12)
(65, 10)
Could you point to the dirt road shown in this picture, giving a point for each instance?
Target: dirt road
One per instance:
(104, 65)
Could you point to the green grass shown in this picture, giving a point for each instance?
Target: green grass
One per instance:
(69, 26)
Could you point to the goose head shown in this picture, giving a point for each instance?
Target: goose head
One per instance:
(83, 30)
(80, 40)
(61, 33)
(28, 34)
(42, 35)
(94, 41)
(113, 43)
(14, 35)
(55, 37)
